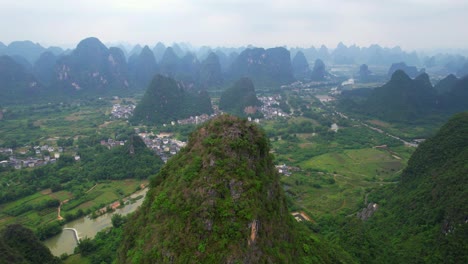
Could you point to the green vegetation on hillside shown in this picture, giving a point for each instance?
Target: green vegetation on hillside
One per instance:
(238, 98)
(165, 100)
(409, 101)
(423, 218)
(19, 245)
(219, 200)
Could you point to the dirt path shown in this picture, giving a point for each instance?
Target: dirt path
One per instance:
(92, 188)
(59, 217)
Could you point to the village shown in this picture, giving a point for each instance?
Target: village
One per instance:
(270, 107)
(162, 144)
(122, 111)
(32, 156)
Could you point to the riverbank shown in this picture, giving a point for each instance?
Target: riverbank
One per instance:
(86, 226)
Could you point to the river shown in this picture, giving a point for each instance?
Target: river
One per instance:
(65, 242)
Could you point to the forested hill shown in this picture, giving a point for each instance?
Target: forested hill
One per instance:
(165, 100)
(424, 218)
(219, 200)
(407, 100)
(19, 245)
(240, 99)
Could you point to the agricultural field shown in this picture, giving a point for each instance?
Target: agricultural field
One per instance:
(333, 171)
(30, 124)
(39, 208)
(337, 183)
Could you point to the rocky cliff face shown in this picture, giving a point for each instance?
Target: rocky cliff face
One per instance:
(92, 67)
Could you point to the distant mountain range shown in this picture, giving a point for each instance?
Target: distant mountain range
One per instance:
(94, 69)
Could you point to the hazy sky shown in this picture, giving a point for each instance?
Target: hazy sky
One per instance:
(412, 24)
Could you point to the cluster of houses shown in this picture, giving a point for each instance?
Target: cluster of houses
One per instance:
(308, 86)
(30, 162)
(270, 106)
(43, 155)
(110, 143)
(163, 145)
(122, 111)
(286, 170)
(195, 120)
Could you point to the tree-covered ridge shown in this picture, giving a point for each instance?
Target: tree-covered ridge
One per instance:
(165, 100)
(239, 97)
(19, 245)
(219, 201)
(403, 99)
(424, 218)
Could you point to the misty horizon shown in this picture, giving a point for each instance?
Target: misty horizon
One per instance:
(411, 25)
(188, 46)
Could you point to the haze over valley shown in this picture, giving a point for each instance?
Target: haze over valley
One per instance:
(233, 132)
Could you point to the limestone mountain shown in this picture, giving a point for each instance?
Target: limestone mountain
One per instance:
(456, 99)
(23, 62)
(219, 200)
(16, 84)
(158, 51)
(402, 98)
(178, 50)
(300, 66)
(166, 100)
(91, 68)
(210, 72)
(240, 99)
(135, 50)
(170, 63)
(364, 73)
(407, 100)
(224, 60)
(143, 67)
(345, 55)
(26, 49)
(323, 53)
(318, 72)
(463, 71)
(44, 67)
(188, 69)
(264, 67)
(446, 84)
(411, 71)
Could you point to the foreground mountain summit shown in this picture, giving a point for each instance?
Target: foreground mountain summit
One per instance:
(220, 201)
